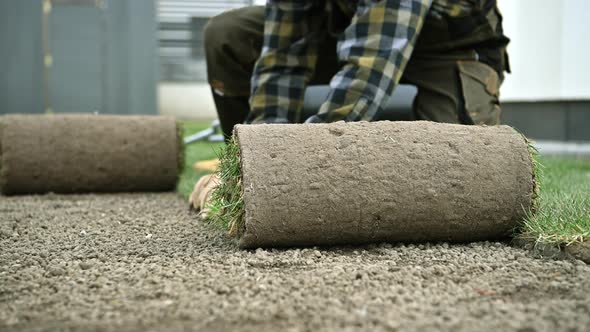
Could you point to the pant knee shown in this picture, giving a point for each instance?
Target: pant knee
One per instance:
(215, 33)
(232, 43)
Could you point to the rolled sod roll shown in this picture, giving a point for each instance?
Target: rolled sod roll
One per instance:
(354, 183)
(88, 153)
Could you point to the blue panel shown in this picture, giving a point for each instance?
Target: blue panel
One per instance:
(117, 50)
(143, 57)
(131, 50)
(104, 59)
(21, 69)
(76, 40)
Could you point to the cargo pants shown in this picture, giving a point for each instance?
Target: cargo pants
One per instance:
(453, 87)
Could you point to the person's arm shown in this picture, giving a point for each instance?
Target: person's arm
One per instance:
(287, 62)
(375, 50)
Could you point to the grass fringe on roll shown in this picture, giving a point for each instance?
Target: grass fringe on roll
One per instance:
(226, 207)
(556, 217)
(537, 170)
(559, 217)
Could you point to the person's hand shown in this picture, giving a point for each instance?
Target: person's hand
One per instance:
(202, 192)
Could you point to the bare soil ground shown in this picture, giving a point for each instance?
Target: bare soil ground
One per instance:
(143, 262)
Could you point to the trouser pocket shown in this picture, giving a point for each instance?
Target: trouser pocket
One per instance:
(480, 86)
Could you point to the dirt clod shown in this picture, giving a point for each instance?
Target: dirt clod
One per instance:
(56, 271)
(580, 251)
(191, 277)
(85, 265)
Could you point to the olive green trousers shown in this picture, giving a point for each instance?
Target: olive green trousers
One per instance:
(452, 87)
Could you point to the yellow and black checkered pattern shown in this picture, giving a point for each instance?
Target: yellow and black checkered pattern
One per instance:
(374, 49)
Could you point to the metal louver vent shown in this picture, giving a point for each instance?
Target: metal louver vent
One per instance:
(183, 10)
(181, 24)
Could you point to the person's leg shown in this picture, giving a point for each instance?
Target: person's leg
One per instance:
(457, 83)
(480, 85)
(233, 42)
(454, 91)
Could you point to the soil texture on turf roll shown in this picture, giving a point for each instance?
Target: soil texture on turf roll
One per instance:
(351, 183)
(88, 153)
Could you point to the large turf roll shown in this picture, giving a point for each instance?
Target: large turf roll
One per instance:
(88, 153)
(350, 183)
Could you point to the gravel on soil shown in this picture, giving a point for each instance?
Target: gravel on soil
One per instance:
(143, 262)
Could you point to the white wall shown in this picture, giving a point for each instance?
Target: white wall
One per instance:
(549, 51)
(186, 100)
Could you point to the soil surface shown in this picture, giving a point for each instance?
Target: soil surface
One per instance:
(143, 262)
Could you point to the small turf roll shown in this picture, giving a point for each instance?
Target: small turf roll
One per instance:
(353, 183)
(88, 153)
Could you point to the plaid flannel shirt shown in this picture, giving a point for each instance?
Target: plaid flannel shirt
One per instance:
(374, 48)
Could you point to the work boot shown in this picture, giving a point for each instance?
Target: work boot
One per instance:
(231, 111)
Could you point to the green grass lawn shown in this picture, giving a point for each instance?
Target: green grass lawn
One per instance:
(564, 207)
(194, 152)
(564, 210)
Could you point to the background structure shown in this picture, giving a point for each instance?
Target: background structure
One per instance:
(548, 93)
(139, 56)
(183, 88)
(78, 56)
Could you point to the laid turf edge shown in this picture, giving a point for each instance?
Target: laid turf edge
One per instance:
(537, 170)
(556, 219)
(226, 207)
(520, 233)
